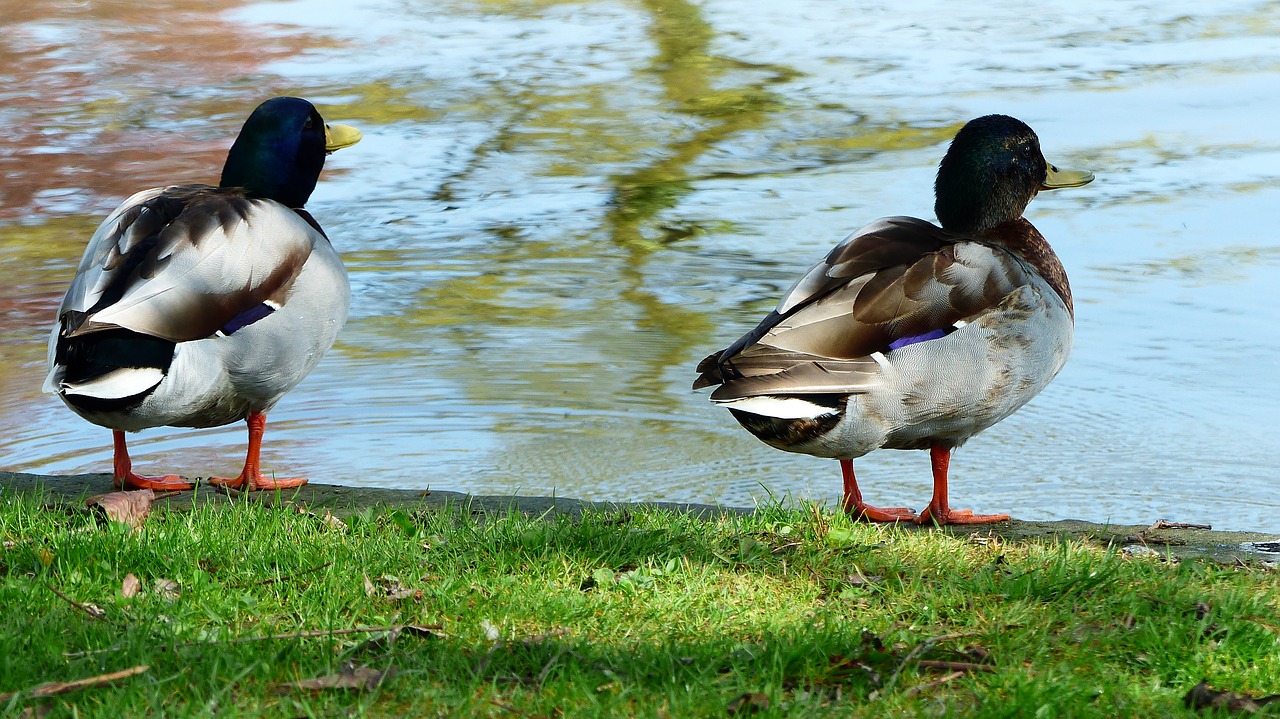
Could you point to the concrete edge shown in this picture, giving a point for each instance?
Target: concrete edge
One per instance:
(1253, 548)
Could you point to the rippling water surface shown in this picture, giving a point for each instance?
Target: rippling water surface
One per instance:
(560, 207)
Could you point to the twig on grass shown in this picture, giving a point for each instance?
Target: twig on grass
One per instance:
(935, 683)
(955, 666)
(273, 580)
(540, 638)
(49, 689)
(542, 675)
(919, 649)
(507, 707)
(528, 642)
(92, 610)
(412, 628)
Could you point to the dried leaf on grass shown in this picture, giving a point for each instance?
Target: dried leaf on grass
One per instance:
(351, 677)
(168, 589)
(388, 640)
(858, 579)
(844, 668)
(130, 586)
(389, 588)
(327, 519)
(1202, 697)
(54, 688)
(129, 508)
(748, 703)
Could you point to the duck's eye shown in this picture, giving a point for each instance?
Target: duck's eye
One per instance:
(308, 125)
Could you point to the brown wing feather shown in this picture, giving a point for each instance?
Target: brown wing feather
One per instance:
(899, 277)
(182, 262)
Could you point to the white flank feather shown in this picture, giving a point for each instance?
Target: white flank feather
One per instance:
(779, 407)
(118, 384)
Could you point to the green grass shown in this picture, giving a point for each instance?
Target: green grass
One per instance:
(650, 614)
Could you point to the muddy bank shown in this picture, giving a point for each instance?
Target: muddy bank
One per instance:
(1252, 547)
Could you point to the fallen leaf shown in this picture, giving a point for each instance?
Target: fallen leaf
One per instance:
(168, 589)
(843, 668)
(1202, 697)
(984, 540)
(390, 588)
(386, 641)
(422, 631)
(130, 586)
(327, 520)
(129, 508)
(94, 610)
(861, 580)
(358, 678)
(333, 522)
(748, 703)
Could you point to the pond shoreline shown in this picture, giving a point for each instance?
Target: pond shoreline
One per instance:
(1182, 543)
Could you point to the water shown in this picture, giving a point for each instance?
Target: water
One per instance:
(559, 208)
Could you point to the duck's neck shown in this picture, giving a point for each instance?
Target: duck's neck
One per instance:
(1023, 239)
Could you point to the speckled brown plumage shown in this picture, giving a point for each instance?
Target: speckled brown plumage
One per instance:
(1023, 239)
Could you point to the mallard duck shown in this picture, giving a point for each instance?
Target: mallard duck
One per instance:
(913, 336)
(198, 306)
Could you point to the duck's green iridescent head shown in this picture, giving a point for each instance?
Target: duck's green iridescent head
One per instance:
(993, 168)
(280, 151)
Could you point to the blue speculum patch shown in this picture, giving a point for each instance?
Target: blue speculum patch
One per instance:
(904, 341)
(246, 318)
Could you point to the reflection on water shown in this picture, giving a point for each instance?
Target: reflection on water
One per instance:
(558, 208)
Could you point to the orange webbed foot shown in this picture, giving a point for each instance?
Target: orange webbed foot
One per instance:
(251, 478)
(255, 482)
(166, 483)
(932, 515)
(123, 476)
(866, 513)
(863, 512)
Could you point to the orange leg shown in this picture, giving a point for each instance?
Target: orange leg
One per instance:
(124, 478)
(251, 478)
(854, 505)
(939, 511)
